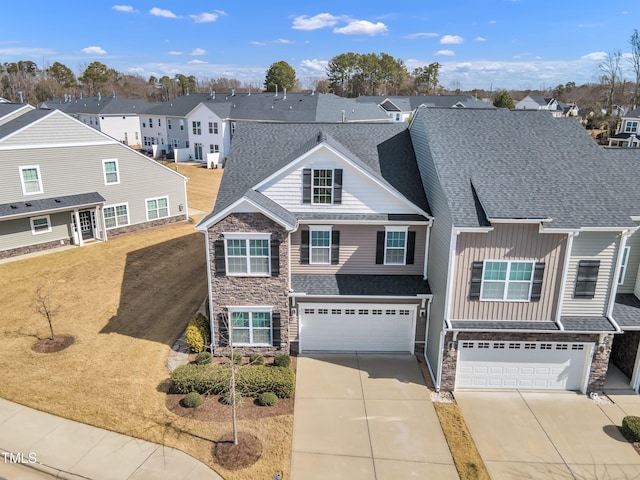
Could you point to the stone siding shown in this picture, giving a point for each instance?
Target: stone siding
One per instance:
(625, 349)
(38, 247)
(599, 363)
(228, 291)
(114, 232)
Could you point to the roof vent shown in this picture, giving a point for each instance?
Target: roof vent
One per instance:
(290, 107)
(27, 204)
(14, 206)
(322, 136)
(57, 200)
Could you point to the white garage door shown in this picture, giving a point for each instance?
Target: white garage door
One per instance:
(523, 365)
(356, 327)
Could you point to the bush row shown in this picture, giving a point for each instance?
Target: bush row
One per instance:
(251, 380)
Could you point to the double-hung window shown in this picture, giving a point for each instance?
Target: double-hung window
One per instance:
(31, 181)
(40, 224)
(320, 245)
(197, 128)
(169, 123)
(157, 207)
(631, 127)
(322, 186)
(110, 169)
(395, 246)
(251, 326)
(507, 280)
(247, 254)
(116, 215)
(210, 127)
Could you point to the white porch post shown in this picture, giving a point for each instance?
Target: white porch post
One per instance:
(103, 223)
(78, 228)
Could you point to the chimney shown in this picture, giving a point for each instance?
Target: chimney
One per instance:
(20, 95)
(344, 117)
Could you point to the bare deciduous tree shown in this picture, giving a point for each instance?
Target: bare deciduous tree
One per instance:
(635, 63)
(611, 76)
(45, 306)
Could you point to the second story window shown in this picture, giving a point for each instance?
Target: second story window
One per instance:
(322, 186)
(197, 128)
(631, 127)
(506, 281)
(169, 123)
(395, 247)
(151, 123)
(248, 256)
(215, 127)
(31, 181)
(110, 170)
(210, 127)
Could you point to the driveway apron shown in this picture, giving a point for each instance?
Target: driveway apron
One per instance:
(366, 417)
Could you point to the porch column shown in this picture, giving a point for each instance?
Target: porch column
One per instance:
(78, 229)
(103, 224)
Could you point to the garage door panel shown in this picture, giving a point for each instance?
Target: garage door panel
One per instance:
(532, 365)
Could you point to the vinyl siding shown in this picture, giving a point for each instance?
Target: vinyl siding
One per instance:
(601, 246)
(439, 240)
(509, 242)
(358, 253)
(633, 264)
(17, 233)
(359, 193)
(15, 114)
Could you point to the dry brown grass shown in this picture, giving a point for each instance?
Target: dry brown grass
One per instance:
(202, 187)
(125, 302)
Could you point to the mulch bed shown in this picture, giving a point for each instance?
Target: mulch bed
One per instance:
(47, 345)
(213, 410)
(234, 457)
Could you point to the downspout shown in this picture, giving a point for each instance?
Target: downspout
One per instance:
(426, 251)
(614, 283)
(450, 277)
(440, 359)
(563, 282)
(209, 293)
(426, 331)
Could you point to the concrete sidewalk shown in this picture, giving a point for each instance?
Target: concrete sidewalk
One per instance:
(71, 450)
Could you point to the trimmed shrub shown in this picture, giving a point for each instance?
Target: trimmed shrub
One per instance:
(267, 399)
(197, 334)
(204, 379)
(256, 359)
(192, 400)
(237, 358)
(631, 428)
(282, 360)
(256, 379)
(227, 398)
(203, 358)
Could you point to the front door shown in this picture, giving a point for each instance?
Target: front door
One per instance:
(86, 227)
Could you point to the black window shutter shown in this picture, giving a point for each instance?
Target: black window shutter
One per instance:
(337, 185)
(587, 278)
(411, 247)
(304, 247)
(276, 329)
(306, 185)
(476, 280)
(536, 287)
(275, 258)
(335, 247)
(218, 258)
(380, 248)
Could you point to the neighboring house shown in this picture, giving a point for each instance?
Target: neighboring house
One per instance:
(114, 116)
(400, 108)
(318, 240)
(627, 135)
(63, 182)
(525, 250)
(540, 102)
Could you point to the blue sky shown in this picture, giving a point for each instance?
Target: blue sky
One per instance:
(514, 44)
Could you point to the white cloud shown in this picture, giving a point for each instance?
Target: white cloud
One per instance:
(173, 52)
(207, 17)
(492, 22)
(284, 41)
(599, 56)
(479, 39)
(322, 20)
(314, 66)
(451, 40)
(94, 50)
(448, 53)
(198, 51)
(159, 12)
(196, 60)
(362, 27)
(413, 36)
(123, 8)
(258, 44)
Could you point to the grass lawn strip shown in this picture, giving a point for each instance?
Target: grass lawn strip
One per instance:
(125, 301)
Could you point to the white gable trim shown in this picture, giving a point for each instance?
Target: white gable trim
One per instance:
(203, 226)
(382, 184)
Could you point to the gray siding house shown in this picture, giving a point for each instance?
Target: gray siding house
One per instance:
(64, 182)
(318, 241)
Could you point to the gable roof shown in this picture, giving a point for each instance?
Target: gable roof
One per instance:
(407, 103)
(521, 164)
(103, 105)
(259, 150)
(22, 121)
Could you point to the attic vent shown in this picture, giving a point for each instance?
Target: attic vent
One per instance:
(290, 107)
(14, 206)
(322, 137)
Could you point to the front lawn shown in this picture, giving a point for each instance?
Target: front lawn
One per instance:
(125, 301)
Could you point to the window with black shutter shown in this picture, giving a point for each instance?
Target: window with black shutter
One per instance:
(586, 278)
(219, 262)
(335, 247)
(476, 280)
(322, 186)
(536, 286)
(304, 247)
(275, 258)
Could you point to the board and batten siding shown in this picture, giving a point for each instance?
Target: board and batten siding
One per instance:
(509, 242)
(17, 233)
(358, 253)
(439, 240)
(633, 264)
(601, 246)
(71, 170)
(360, 194)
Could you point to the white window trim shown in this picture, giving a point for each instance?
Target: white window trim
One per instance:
(319, 228)
(114, 206)
(33, 228)
(251, 310)
(506, 281)
(104, 170)
(146, 208)
(246, 237)
(631, 126)
(333, 182)
(29, 167)
(624, 262)
(388, 229)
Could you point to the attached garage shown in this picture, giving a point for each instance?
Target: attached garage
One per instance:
(340, 327)
(523, 365)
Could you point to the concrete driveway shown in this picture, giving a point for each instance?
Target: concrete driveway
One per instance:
(559, 435)
(366, 417)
